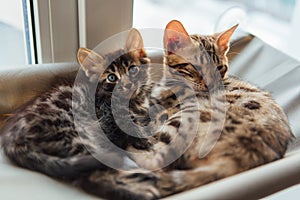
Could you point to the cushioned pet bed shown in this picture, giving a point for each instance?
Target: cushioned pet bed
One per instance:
(250, 58)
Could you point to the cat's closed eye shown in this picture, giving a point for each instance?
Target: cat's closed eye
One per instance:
(133, 70)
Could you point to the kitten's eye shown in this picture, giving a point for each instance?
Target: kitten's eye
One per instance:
(112, 78)
(133, 70)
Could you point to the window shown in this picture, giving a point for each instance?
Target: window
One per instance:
(12, 40)
(269, 20)
(47, 31)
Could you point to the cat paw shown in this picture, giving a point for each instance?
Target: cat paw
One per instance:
(139, 185)
(148, 160)
(140, 176)
(142, 143)
(152, 163)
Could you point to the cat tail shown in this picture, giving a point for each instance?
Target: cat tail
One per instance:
(62, 168)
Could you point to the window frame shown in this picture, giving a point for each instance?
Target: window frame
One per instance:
(82, 26)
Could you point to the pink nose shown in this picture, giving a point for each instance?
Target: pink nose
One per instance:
(128, 86)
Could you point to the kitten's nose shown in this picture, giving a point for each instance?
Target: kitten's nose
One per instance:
(128, 85)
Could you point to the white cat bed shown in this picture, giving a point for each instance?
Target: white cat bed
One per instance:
(251, 59)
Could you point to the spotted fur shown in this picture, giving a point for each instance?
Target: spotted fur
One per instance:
(254, 129)
(43, 136)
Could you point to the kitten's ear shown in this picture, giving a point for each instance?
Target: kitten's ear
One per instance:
(134, 43)
(90, 61)
(223, 39)
(175, 37)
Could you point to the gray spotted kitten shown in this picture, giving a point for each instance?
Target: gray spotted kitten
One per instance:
(42, 136)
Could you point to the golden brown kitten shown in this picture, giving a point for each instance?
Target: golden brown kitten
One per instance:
(239, 126)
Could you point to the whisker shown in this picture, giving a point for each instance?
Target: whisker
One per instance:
(233, 53)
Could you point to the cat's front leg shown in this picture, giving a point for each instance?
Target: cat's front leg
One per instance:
(169, 143)
(142, 143)
(149, 159)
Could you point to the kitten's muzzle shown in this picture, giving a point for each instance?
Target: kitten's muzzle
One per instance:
(125, 88)
(128, 86)
(126, 83)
